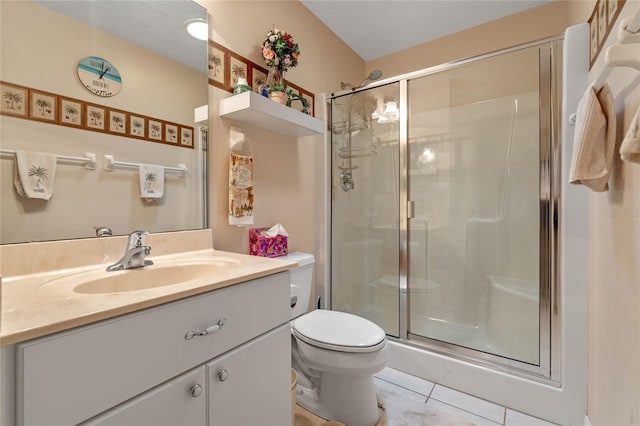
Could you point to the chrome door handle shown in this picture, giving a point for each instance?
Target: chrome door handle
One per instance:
(223, 375)
(196, 390)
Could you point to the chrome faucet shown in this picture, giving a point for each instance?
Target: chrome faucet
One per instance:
(134, 254)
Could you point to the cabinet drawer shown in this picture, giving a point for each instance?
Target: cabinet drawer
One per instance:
(71, 376)
(181, 401)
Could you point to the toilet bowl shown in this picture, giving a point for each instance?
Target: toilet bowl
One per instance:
(335, 355)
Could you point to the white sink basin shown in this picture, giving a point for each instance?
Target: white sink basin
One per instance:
(153, 276)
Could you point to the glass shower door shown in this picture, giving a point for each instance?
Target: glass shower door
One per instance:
(365, 218)
(474, 181)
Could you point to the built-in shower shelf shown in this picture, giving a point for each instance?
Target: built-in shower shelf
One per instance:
(259, 111)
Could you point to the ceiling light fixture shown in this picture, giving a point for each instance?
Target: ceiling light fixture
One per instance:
(197, 28)
(390, 113)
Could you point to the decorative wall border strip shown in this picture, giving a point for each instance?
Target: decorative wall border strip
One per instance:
(225, 66)
(604, 15)
(36, 105)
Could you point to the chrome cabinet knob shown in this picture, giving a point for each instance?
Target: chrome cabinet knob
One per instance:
(223, 375)
(196, 390)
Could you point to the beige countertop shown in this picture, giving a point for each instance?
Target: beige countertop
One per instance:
(38, 304)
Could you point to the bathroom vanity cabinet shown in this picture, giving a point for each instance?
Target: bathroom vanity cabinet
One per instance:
(152, 367)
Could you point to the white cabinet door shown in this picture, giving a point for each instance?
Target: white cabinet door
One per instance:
(180, 401)
(251, 385)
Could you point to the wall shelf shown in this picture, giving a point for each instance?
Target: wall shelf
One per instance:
(259, 111)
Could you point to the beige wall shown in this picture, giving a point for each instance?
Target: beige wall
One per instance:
(538, 23)
(614, 271)
(40, 49)
(288, 173)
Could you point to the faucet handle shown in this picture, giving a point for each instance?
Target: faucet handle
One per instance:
(136, 238)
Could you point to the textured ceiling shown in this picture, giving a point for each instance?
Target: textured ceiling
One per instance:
(376, 28)
(155, 25)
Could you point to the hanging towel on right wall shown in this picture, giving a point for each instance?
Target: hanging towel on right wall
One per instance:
(240, 190)
(630, 148)
(594, 139)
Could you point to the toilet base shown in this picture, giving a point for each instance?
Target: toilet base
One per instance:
(348, 399)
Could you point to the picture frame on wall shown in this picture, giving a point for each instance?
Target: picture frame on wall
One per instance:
(71, 112)
(117, 122)
(217, 64)
(154, 130)
(171, 133)
(258, 78)
(238, 67)
(612, 10)
(593, 36)
(95, 117)
(186, 136)
(602, 21)
(43, 106)
(137, 127)
(14, 100)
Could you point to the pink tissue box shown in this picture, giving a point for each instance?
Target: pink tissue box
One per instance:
(259, 245)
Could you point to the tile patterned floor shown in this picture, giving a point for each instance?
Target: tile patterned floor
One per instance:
(411, 401)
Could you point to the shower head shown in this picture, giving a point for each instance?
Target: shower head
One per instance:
(373, 76)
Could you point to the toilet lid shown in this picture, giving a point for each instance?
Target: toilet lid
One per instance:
(339, 331)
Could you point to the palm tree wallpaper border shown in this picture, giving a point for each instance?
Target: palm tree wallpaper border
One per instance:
(225, 66)
(33, 104)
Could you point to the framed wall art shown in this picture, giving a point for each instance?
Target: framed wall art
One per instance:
(14, 100)
(258, 77)
(95, 117)
(154, 129)
(43, 106)
(186, 136)
(170, 133)
(137, 127)
(239, 67)
(218, 64)
(117, 122)
(71, 112)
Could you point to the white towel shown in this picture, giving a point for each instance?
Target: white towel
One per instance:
(151, 182)
(240, 190)
(35, 174)
(630, 148)
(594, 139)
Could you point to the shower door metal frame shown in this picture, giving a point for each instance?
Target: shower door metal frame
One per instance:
(550, 89)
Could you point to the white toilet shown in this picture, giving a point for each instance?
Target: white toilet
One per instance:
(335, 355)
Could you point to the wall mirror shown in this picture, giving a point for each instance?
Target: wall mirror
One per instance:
(146, 115)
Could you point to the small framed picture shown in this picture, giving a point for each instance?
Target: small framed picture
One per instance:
(71, 112)
(217, 65)
(602, 20)
(117, 122)
(137, 128)
(154, 129)
(186, 136)
(593, 37)
(258, 78)
(239, 68)
(14, 100)
(43, 106)
(170, 133)
(95, 116)
(310, 108)
(612, 9)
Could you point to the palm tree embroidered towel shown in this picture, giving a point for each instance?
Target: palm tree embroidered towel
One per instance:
(151, 182)
(35, 174)
(240, 190)
(630, 148)
(594, 139)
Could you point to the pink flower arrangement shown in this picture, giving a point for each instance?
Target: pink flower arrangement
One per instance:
(279, 50)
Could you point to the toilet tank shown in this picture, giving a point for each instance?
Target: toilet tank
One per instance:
(301, 279)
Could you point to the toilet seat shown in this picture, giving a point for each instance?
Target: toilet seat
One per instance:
(339, 331)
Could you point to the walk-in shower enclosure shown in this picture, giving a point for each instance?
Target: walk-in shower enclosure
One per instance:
(442, 206)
